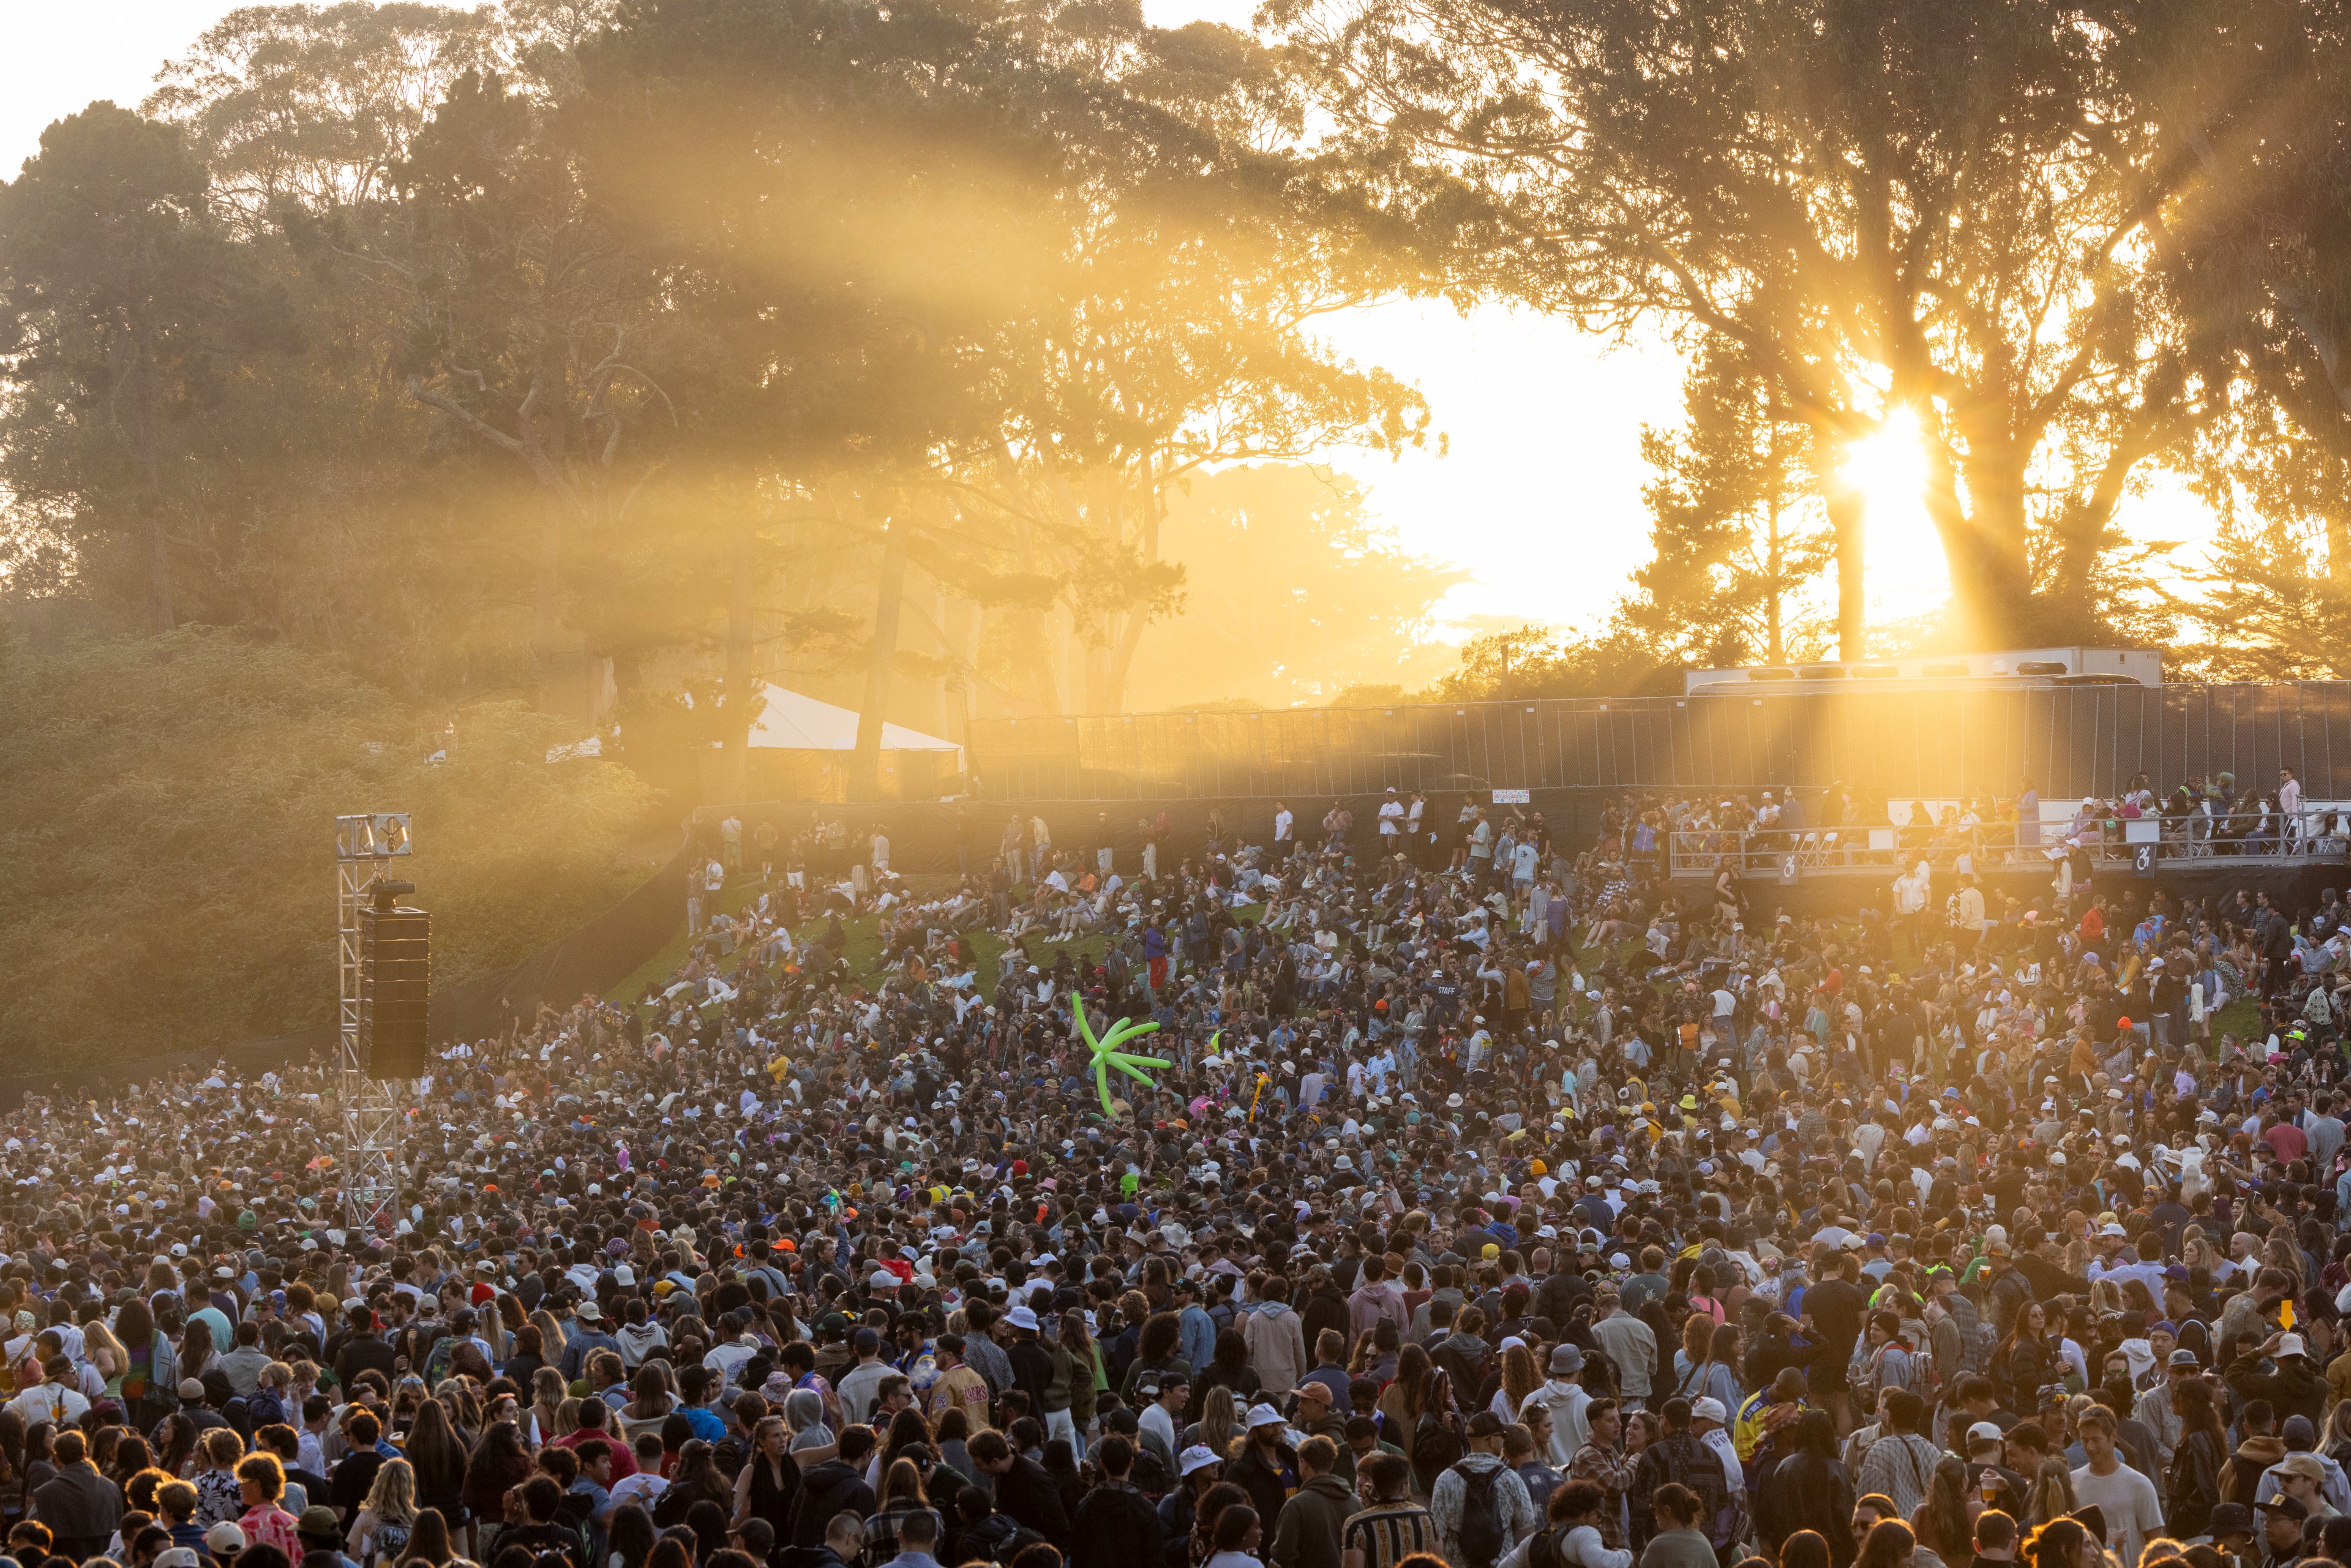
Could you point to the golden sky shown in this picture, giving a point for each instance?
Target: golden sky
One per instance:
(1539, 496)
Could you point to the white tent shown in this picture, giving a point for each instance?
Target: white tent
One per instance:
(794, 721)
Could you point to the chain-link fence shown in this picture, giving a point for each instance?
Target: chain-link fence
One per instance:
(2078, 740)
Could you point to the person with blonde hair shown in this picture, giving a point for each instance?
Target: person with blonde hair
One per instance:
(379, 1531)
(219, 1500)
(2051, 1497)
(547, 1393)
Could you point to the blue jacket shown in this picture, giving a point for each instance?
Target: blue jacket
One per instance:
(1200, 1334)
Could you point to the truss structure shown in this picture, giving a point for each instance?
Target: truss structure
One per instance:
(372, 1109)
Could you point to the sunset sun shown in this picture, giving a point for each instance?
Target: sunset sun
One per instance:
(1907, 575)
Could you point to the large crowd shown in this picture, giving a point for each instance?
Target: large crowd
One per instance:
(1504, 1203)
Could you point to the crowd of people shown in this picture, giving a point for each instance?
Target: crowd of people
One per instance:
(1504, 1203)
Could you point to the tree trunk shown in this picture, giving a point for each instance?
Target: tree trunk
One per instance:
(159, 615)
(1849, 515)
(1130, 636)
(1849, 520)
(865, 770)
(741, 709)
(1983, 542)
(547, 571)
(1775, 555)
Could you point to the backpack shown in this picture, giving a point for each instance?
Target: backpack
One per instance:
(1150, 1473)
(389, 1541)
(1437, 1447)
(1485, 1534)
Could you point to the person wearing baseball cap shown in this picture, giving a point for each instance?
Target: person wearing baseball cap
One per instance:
(1164, 1395)
(2301, 1477)
(1314, 1418)
(2281, 1518)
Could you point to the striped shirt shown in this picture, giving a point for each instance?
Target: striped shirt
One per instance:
(1389, 1534)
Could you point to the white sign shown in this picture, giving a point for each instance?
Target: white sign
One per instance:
(1514, 797)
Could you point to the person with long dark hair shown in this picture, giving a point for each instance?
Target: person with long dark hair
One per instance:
(1809, 1489)
(1404, 1398)
(437, 1454)
(2025, 1361)
(2062, 1542)
(497, 1465)
(630, 1538)
(769, 1481)
(2192, 1484)
(698, 1479)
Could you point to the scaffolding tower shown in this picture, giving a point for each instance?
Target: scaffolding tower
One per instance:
(372, 1109)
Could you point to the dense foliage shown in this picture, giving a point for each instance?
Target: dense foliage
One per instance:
(166, 859)
(2073, 242)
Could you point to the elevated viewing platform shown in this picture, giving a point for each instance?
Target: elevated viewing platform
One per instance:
(2317, 834)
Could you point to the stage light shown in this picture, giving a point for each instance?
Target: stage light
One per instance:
(373, 837)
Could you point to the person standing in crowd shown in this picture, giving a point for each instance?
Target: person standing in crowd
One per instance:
(1642, 1223)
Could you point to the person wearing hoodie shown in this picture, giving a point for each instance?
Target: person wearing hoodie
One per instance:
(1375, 1301)
(2300, 1441)
(1325, 1308)
(1024, 1488)
(1306, 1534)
(1460, 1348)
(2257, 1450)
(1116, 1526)
(1566, 1399)
(637, 1337)
(836, 1485)
(1275, 1335)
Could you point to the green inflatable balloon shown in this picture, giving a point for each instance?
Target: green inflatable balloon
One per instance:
(1107, 1054)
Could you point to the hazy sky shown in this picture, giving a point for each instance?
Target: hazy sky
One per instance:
(1539, 496)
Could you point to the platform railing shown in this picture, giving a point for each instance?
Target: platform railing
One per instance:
(2316, 833)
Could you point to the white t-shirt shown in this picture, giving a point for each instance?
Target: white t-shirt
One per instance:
(644, 1484)
(1282, 822)
(49, 1401)
(1391, 819)
(2128, 1499)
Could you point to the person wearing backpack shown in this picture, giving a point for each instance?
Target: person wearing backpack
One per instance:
(1571, 1538)
(1479, 1504)
(1676, 1458)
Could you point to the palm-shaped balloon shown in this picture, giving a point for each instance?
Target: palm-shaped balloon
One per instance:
(1107, 1054)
